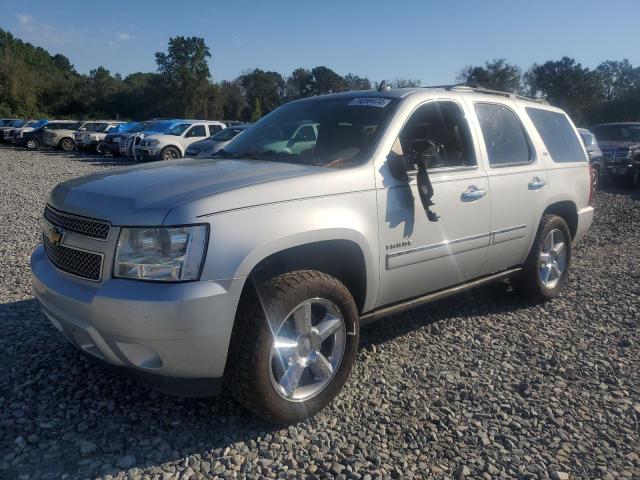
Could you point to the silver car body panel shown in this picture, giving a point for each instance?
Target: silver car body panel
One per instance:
(255, 209)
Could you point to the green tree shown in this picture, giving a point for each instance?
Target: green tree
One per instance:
(299, 84)
(325, 80)
(261, 88)
(257, 111)
(566, 84)
(185, 69)
(405, 83)
(354, 82)
(618, 77)
(495, 75)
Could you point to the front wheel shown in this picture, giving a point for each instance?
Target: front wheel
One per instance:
(32, 144)
(289, 359)
(66, 145)
(545, 270)
(169, 153)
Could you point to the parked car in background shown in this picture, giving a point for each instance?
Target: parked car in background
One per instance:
(233, 123)
(215, 143)
(111, 142)
(17, 133)
(173, 143)
(33, 140)
(130, 141)
(4, 122)
(64, 138)
(620, 145)
(90, 138)
(10, 125)
(260, 266)
(595, 155)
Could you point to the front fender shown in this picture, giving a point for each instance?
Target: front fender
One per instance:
(241, 239)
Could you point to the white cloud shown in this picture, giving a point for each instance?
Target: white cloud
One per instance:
(38, 32)
(124, 36)
(26, 22)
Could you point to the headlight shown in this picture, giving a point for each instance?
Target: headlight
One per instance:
(152, 142)
(161, 254)
(94, 137)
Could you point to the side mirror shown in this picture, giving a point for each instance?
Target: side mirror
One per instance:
(425, 153)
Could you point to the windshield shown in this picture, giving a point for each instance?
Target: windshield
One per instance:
(103, 127)
(32, 123)
(73, 126)
(158, 126)
(331, 132)
(128, 127)
(91, 127)
(177, 130)
(226, 134)
(17, 123)
(618, 133)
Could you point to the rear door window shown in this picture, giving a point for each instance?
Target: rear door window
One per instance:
(558, 135)
(196, 131)
(504, 136)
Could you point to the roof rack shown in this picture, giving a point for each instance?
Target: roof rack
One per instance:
(480, 89)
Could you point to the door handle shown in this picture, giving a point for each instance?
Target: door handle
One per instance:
(537, 183)
(472, 194)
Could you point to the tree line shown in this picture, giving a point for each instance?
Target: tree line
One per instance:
(34, 83)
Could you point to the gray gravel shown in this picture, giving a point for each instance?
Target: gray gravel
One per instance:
(478, 386)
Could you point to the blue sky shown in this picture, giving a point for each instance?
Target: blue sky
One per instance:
(426, 40)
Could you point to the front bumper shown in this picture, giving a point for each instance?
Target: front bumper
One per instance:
(148, 153)
(179, 330)
(585, 219)
(618, 169)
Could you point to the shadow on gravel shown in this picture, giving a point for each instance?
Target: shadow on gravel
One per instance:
(490, 299)
(86, 418)
(93, 158)
(613, 189)
(76, 415)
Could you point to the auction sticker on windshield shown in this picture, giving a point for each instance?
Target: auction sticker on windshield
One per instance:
(370, 102)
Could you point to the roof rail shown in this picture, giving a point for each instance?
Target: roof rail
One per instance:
(480, 89)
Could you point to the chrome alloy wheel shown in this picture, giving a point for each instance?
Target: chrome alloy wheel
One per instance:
(553, 258)
(307, 349)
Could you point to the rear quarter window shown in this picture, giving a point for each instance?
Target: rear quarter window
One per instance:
(558, 135)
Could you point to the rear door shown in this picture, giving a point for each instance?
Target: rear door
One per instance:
(517, 180)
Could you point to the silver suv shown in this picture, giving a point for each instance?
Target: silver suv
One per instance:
(258, 267)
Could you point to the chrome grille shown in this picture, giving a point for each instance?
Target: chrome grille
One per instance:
(83, 226)
(71, 260)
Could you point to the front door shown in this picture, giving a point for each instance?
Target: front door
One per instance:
(421, 254)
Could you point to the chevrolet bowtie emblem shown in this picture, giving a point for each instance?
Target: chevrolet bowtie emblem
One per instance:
(54, 234)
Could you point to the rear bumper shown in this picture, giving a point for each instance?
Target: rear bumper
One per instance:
(585, 219)
(179, 330)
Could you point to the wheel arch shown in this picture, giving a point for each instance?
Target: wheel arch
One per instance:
(567, 210)
(340, 258)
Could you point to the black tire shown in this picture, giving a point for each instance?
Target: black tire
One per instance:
(249, 365)
(595, 179)
(169, 153)
(32, 144)
(66, 145)
(529, 281)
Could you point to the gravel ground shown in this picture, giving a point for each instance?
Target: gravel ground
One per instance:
(478, 386)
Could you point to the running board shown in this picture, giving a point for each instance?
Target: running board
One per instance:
(432, 297)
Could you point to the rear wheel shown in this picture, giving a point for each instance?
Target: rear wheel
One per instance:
(595, 179)
(32, 144)
(66, 145)
(545, 270)
(170, 153)
(290, 362)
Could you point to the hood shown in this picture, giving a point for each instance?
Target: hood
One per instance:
(610, 144)
(144, 194)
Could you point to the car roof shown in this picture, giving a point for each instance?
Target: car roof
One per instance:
(432, 91)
